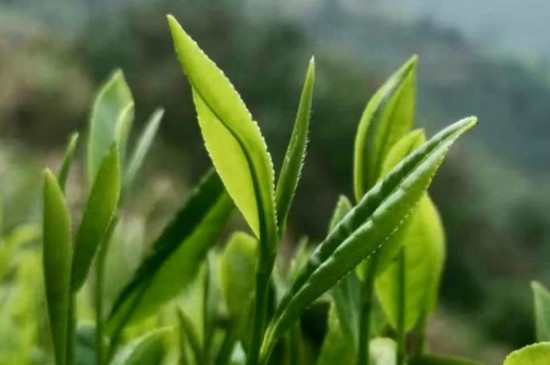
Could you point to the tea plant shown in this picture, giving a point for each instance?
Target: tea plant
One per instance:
(245, 304)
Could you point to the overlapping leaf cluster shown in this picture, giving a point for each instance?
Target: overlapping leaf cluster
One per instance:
(243, 304)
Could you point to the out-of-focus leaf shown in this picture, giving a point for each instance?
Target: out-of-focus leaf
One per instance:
(445, 360)
(237, 268)
(337, 348)
(145, 350)
(142, 148)
(423, 245)
(232, 138)
(388, 117)
(110, 121)
(56, 254)
(99, 211)
(537, 354)
(365, 229)
(187, 330)
(542, 311)
(295, 154)
(176, 255)
(67, 161)
(85, 344)
(382, 351)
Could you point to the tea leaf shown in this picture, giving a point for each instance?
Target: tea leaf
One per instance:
(542, 311)
(423, 243)
(110, 121)
(387, 117)
(536, 354)
(142, 148)
(444, 360)
(187, 330)
(145, 350)
(232, 138)
(56, 255)
(347, 292)
(176, 255)
(99, 211)
(365, 228)
(67, 161)
(237, 268)
(295, 154)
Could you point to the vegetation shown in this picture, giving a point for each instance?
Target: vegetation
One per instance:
(252, 301)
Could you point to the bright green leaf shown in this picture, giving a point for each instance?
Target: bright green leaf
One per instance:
(365, 228)
(537, 354)
(388, 117)
(237, 268)
(142, 148)
(232, 138)
(56, 254)
(423, 245)
(145, 350)
(176, 255)
(542, 311)
(98, 214)
(110, 121)
(67, 161)
(295, 154)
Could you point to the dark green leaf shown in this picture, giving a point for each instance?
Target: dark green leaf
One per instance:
(176, 255)
(295, 154)
(98, 214)
(145, 350)
(57, 253)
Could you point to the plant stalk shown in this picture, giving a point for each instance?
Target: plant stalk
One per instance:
(401, 303)
(367, 299)
(263, 276)
(71, 331)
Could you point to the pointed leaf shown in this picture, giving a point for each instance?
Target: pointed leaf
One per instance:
(176, 255)
(537, 354)
(336, 348)
(142, 148)
(388, 117)
(295, 154)
(232, 138)
(542, 311)
(365, 228)
(423, 243)
(100, 210)
(346, 293)
(145, 350)
(67, 161)
(237, 268)
(56, 254)
(110, 121)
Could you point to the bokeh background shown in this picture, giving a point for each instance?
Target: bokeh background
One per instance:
(487, 58)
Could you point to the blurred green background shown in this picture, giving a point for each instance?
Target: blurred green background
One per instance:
(489, 59)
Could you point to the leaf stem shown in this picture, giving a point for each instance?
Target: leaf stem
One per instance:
(263, 276)
(367, 298)
(401, 303)
(71, 331)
